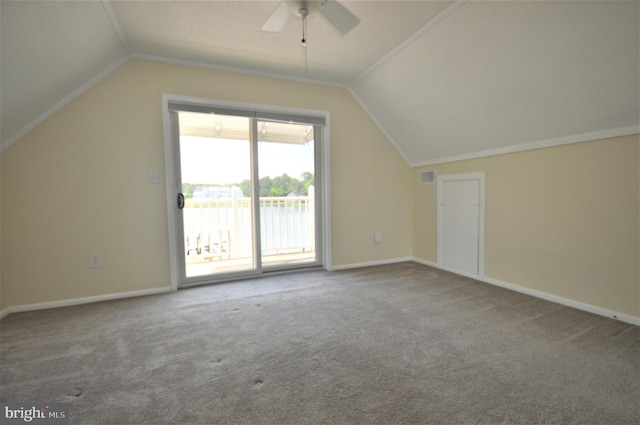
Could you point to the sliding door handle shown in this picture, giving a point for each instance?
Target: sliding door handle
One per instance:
(180, 201)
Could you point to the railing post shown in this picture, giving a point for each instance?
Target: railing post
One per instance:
(237, 242)
(311, 218)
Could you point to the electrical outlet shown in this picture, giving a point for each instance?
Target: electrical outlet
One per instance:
(95, 260)
(377, 237)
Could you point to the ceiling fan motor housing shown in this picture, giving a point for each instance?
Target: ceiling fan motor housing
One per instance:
(297, 6)
(336, 15)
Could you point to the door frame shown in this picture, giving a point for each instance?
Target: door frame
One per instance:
(481, 178)
(172, 174)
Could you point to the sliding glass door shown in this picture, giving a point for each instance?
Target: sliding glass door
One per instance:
(286, 168)
(249, 197)
(216, 201)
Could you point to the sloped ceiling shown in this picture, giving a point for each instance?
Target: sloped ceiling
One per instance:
(50, 49)
(443, 79)
(497, 74)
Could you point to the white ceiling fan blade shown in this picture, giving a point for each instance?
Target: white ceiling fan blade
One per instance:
(278, 19)
(338, 16)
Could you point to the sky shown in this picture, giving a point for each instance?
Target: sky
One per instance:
(222, 161)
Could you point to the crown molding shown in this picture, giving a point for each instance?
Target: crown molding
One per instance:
(379, 125)
(402, 46)
(540, 144)
(231, 69)
(64, 102)
(115, 25)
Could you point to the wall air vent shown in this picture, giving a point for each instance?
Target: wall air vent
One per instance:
(427, 177)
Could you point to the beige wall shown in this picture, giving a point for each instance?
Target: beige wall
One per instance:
(77, 183)
(562, 220)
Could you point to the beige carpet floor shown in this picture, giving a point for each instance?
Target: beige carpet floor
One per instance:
(396, 344)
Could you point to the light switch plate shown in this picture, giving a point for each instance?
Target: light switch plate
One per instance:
(95, 260)
(153, 177)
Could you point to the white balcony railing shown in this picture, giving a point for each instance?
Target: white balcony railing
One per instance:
(222, 228)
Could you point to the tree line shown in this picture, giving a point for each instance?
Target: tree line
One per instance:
(283, 185)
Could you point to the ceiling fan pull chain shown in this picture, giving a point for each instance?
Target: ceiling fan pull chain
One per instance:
(306, 61)
(303, 13)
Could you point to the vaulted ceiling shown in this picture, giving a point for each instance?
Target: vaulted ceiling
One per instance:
(442, 79)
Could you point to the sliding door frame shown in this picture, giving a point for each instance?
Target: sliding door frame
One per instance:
(172, 177)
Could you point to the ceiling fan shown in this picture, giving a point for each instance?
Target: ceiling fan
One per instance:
(333, 12)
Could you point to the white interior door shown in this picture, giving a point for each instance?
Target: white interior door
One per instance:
(461, 223)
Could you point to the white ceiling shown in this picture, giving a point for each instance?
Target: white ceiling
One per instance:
(443, 79)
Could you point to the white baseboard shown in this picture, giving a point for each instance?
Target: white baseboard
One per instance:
(370, 263)
(4, 312)
(85, 300)
(528, 291)
(543, 295)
